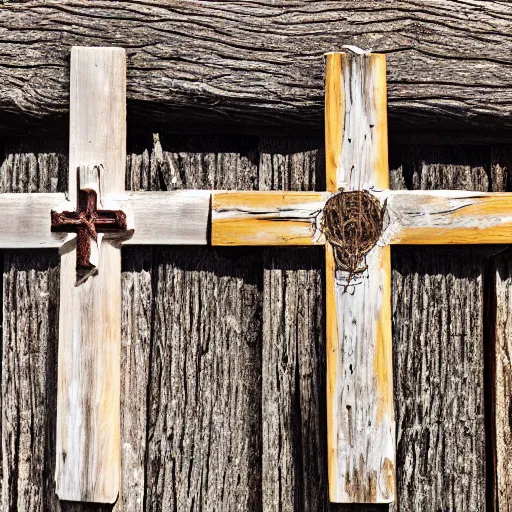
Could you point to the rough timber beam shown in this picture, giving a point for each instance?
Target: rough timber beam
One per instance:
(412, 217)
(360, 412)
(159, 218)
(264, 68)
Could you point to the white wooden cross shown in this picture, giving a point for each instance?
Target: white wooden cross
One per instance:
(361, 429)
(89, 357)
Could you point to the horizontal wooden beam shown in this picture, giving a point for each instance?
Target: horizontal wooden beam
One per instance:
(160, 218)
(448, 217)
(169, 218)
(267, 218)
(448, 62)
(26, 220)
(412, 217)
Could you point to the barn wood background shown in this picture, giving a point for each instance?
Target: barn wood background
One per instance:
(223, 377)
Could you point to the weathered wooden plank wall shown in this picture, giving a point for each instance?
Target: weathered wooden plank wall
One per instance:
(223, 378)
(438, 346)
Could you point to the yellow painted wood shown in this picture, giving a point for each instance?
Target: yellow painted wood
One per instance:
(449, 217)
(360, 414)
(266, 218)
(334, 118)
(413, 217)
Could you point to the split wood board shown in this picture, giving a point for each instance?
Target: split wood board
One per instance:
(360, 413)
(162, 218)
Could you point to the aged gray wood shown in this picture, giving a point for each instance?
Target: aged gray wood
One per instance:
(29, 352)
(438, 348)
(208, 163)
(293, 378)
(88, 437)
(204, 421)
(137, 297)
(29, 380)
(293, 373)
(499, 360)
(448, 61)
(203, 444)
(29, 368)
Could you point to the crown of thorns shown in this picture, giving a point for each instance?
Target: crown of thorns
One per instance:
(352, 223)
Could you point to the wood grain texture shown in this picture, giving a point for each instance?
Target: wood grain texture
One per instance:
(502, 392)
(29, 351)
(266, 218)
(33, 166)
(204, 398)
(448, 217)
(294, 455)
(293, 376)
(27, 220)
(439, 380)
(499, 369)
(266, 68)
(168, 218)
(136, 336)
(438, 346)
(203, 308)
(411, 217)
(360, 415)
(29, 380)
(88, 403)
(222, 163)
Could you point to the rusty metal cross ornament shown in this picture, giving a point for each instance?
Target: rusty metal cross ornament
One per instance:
(88, 222)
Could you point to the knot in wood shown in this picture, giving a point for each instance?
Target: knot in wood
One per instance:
(352, 223)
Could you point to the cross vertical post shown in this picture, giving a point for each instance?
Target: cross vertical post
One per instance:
(88, 401)
(360, 413)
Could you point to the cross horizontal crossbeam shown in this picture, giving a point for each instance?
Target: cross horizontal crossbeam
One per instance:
(267, 218)
(162, 218)
(411, 217)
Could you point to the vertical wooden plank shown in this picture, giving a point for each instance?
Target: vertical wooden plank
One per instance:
(88, 405)
(502, 384)
(203, 440)
(29, 349)
(28, 380)
(203, 449)
(137, 312)
(438, 346)
(360, 415)
(294, 476)
(500, 352)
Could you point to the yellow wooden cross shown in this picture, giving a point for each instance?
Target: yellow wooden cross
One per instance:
(360, 414)
(361, 425)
